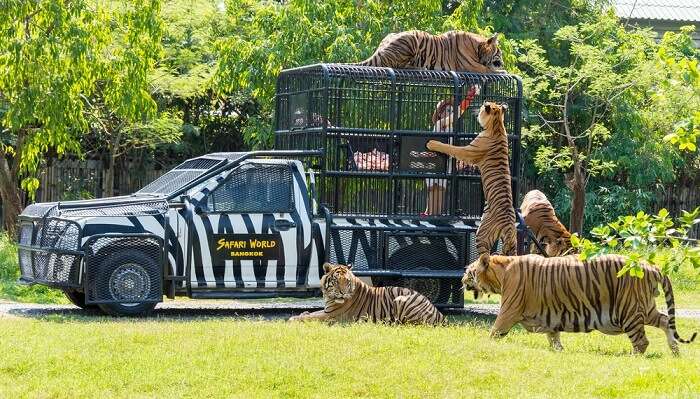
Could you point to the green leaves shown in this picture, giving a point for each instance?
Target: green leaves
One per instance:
(268, 37)
(686, 133)
(655, 239)
(55, 55)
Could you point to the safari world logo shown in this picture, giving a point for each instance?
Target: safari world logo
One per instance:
(246, 247)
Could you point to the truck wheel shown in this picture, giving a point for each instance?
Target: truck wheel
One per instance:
(127, 276)
(77, 298)
(415, 257)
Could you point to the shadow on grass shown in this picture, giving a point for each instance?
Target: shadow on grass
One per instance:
(62, 314)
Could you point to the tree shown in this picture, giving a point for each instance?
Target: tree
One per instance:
(54, 57)
(121, 112)
(181, 81)
(573, 101)
(47, 50)
(264, 38)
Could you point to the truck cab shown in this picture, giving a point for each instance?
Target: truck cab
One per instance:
(347, 184)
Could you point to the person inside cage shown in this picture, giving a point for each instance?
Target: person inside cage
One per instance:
(442, 119)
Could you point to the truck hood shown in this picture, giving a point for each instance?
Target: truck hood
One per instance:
(133, 205)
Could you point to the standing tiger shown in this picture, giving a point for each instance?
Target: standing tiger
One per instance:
(540, 217)
(349, 299)
(550, 295)
(450, 51)
(489, 152)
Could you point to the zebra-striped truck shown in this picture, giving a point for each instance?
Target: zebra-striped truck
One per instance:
(347, 184)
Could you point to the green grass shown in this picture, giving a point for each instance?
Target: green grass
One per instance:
(10, 289)
(68, 356)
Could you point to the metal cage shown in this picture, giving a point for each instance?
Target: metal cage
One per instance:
(373, 124)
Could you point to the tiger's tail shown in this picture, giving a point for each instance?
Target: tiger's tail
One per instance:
(671, 309)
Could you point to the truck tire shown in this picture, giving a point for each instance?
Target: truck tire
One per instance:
(77, 298)
(127, 275)
(414, 257)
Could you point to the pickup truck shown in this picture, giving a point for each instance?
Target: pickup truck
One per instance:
(261, 224)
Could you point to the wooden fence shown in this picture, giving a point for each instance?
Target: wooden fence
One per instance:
(70, 179)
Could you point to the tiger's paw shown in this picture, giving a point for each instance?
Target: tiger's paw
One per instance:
(299, 317)
(432, 145)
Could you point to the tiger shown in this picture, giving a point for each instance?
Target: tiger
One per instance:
(550, 295)
(349, 299)
(450, 51)
(540, 217)
(489, 152)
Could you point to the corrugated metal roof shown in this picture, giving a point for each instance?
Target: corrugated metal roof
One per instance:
(666, 10)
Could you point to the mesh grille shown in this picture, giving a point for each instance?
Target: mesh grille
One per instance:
(171, 181)
(55, 269)
(356, 247)
(25, 233)
(57, 234)
(124, 270)
(25, 264)
(411, 252)
(41, 209)
(373, 124)
(254, 188)
(199, 163)
(156, 207)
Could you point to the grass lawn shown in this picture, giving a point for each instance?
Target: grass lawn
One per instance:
(92, 356)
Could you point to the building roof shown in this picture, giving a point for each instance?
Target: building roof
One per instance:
(660, 10)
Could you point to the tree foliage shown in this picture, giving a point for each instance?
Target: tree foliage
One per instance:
(593, 108)
(656, 239)
(266, 37)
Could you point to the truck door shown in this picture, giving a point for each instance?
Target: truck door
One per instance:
(250, 230)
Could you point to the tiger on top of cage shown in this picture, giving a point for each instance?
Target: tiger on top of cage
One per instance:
(449, 51)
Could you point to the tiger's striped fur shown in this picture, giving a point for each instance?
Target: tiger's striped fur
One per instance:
(489, 152)
(450, 51)
(551, 295)
(540, 217)
(349, 299)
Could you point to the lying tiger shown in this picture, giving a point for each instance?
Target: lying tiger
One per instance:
(450, 51)
(540, 217)
(550, 295)
(349, 299)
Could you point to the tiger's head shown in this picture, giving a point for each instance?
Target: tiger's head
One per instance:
(338, 283)
(481, 278)
(559, 246)
(492, 113)
(490, 54)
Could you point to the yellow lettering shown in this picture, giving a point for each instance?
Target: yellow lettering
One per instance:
(222, 243)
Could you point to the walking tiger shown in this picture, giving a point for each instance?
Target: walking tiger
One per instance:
(550, 295)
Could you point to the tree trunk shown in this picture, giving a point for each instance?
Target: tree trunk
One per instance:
(10, 195)
(576, 182)
(108, 176)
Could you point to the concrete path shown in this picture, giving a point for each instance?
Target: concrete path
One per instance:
(267, 309)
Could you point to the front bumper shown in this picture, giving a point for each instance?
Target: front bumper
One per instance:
(49, 251)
